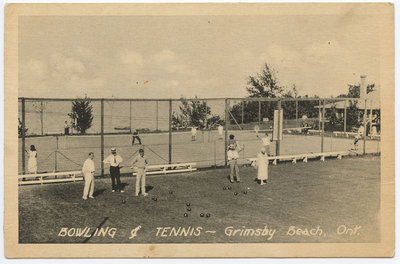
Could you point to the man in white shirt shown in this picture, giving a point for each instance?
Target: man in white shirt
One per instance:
(220, 131)
(139, 165)
(88, 174)
(115, 164)
(359, 135)
(194, 132)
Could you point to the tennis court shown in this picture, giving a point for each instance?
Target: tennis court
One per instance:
(208, 150)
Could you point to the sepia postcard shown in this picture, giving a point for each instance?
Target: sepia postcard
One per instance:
(199, 130)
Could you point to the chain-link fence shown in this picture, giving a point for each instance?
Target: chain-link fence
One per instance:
(189, 130)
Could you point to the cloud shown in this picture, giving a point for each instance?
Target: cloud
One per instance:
(36, 68)
(165, 56)
(283, 57)
(59, 76)
(131, 59)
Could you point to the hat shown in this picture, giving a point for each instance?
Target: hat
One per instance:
(113, 150)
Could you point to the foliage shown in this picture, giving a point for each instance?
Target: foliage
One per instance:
(264, 84)
(20, 128)
(354, 90)
(353, 117)
(82, 114)
(194, 113)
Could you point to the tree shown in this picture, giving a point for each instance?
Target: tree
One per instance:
(20, 128)
(194, 113)
(264, 84)
(82, 114)
(353, 115)
(354, 90)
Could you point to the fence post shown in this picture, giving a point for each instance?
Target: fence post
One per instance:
(55, 156)
(365, 125)
(323, 126)
(370, 116)
(23, 135)
(156, 115)
(205, 121)
(319, 115)
(345, 116)
(102, 136)
(278, 141)
(215, 154)
(41, 117)
(170, 133)
(259, 112)
(130, 116)
(242, 111)
(226, 130)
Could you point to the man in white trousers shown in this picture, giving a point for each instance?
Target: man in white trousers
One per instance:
(139, 165)
(88, 174)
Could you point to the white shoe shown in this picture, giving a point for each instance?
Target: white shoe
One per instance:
(113, 191)
(91, 197)
(136, 195)
(84, 198)
(122, 191)
(145, 194)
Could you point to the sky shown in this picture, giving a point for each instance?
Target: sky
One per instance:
(204, 56)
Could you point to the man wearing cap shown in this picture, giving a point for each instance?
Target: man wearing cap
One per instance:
(115, 161)
(139, 165)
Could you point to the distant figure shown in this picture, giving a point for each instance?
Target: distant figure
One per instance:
(115, 161)
(256, 129)
(233, 156)
(220, 131)
(135, 135)
(266, 142)
(305, 128)
(66, 128)
(88, 173)
(262, 165)
(194, 133)
(359, 135)
(139, 165)
(32, 162)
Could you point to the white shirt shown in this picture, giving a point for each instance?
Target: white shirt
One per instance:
(194, 131)
(220, 129)
(88, 166)
(113, 160)
(233, 154)
(265, 141)
(140, 162)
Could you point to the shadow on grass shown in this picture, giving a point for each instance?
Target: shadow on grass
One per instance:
(123, 185)
(98, 192)
(149, 188)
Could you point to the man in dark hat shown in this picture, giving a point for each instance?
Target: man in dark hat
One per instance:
(115, 163)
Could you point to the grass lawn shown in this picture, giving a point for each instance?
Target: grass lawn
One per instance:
(326, 194)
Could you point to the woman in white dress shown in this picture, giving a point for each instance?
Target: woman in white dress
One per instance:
(262, 165)
(32, 162)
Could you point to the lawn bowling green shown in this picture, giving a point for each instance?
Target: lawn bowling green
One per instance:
(303, 202)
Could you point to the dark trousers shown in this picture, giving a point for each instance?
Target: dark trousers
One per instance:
(66, 131)
(138, 138)
(115, 175)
